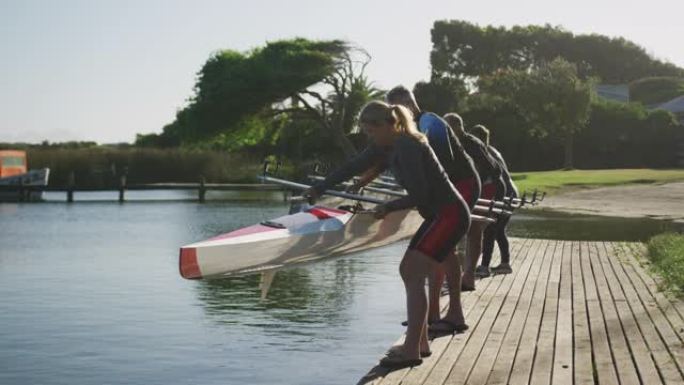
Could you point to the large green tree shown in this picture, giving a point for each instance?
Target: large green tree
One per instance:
(249, 99)
(465, 50)
(552, 99)
(234, 86)
(341, 95)
(441, 95)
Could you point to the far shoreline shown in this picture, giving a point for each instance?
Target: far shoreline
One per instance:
(656, 201)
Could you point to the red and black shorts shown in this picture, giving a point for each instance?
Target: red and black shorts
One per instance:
(437, 236)
(488, 190)
(493, 189)
(469, 189)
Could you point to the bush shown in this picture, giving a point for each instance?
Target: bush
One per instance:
(656, 90)
(666, 253)
(627, 135)
(618, 135)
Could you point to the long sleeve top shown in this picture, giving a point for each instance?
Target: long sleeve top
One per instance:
(448, 149)
(416, 168)
(487, 167)
(511, 188)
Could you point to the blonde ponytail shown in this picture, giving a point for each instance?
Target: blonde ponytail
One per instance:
(400, 117)
(404, 122)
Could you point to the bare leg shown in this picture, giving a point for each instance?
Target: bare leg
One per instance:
(436, 278)
(424, 340)
(474, 249)
(452, 265)
(414, 269)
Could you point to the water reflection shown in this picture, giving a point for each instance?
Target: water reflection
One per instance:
(314, 294)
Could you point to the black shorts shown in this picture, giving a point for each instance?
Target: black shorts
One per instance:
(438, 236)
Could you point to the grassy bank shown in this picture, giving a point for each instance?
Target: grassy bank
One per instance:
(666, 253)
(554, 181)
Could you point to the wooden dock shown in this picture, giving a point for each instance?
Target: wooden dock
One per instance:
(22, 192)
(572, 312)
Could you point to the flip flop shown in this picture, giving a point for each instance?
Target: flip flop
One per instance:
(398, 361)
(395, 350)
(452, 327)
(467, 288)
(405, 323)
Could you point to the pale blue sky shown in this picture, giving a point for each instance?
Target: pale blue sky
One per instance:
(106, 70)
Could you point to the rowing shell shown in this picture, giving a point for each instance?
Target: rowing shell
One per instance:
(315, 233)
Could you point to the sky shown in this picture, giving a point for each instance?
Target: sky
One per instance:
(106, 70)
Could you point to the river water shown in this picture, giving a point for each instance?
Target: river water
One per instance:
(90, 294)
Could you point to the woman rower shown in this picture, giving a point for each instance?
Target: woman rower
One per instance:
(463, 175)
(499, 233)
(492, 188)
(396, 144)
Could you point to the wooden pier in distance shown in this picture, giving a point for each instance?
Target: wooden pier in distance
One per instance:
(22, 191)
(572, 312)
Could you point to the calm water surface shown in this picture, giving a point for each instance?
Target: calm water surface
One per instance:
(90, 294)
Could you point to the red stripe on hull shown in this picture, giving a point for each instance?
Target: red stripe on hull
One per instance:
(318, 213)
(332, 211)
(189, 269)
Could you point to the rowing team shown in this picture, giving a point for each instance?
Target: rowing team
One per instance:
(444, 171)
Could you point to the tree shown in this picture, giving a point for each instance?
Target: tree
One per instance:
(656, 90)
(246, 99)
(348, 91)
(441, 95)
(552, 99)
(466, 50)
(232, 86)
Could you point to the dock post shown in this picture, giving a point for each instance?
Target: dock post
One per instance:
(122, 188)
(70, 187)
(202, 189)
(22, 193)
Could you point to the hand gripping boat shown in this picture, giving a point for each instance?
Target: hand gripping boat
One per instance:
(311, 234)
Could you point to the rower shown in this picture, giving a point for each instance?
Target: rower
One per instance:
(397, 144)
(463, 175)
(499, 228)
(492, 189)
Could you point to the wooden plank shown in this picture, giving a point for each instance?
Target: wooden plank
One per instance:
(667, 334)
(543, 359)
(380, 375)
(625, 367)
(442, 369)
(562, 359)
(462, 368)
(667, 368)
(646, 368)
(582, 353)
(539, 271)
(419, 374)
(604, 365)
(502, 318)
(437, 345)
(524, 358)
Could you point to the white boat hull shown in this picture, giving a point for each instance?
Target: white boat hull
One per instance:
(32, 178)
(305, 237)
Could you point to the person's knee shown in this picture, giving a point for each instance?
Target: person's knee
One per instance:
(407, 270)
(404, 272)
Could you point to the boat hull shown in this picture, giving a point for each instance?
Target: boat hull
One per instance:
(304, 237)
(37, 177)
